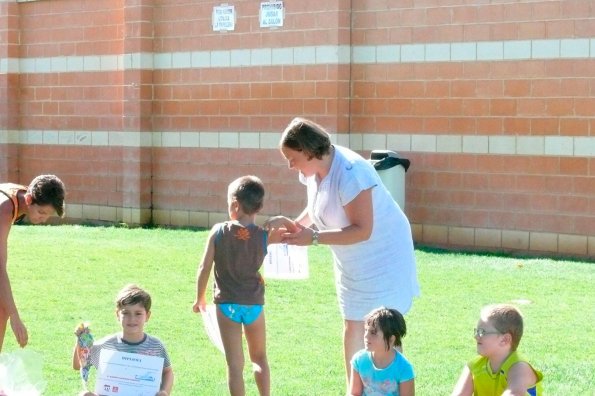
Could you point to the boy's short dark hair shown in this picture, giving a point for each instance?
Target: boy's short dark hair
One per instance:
(132, 294)
(249, 192)
(48, 190)
(506, 319)
(391, 322)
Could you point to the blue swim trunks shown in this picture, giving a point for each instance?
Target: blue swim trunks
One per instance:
(245, 314)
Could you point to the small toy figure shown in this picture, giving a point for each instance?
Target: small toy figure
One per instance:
(84, 344)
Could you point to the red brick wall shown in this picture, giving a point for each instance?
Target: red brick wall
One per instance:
(146, 113)
(501, 201)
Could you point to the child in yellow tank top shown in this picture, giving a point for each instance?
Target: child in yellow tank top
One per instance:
(499, 369)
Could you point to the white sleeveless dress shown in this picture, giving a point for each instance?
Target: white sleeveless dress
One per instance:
(377, 272)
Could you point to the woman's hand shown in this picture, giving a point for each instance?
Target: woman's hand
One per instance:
(278, 222)
(303, 237)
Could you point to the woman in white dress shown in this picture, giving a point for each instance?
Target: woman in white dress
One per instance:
(351, 211)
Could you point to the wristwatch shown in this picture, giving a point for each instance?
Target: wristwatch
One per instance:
(315, 238)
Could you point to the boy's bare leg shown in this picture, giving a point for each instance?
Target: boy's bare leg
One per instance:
(231, 336)
(256, 339)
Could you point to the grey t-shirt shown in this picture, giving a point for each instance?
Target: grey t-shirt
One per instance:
(150, 346)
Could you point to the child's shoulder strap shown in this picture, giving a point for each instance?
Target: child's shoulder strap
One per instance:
(11, 190)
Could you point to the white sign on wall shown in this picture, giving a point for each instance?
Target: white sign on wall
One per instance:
(224, 18)
(271, 14)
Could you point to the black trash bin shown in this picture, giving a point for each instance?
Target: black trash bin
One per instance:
(391, 168)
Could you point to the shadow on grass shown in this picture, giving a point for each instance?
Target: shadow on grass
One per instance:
(503, 254)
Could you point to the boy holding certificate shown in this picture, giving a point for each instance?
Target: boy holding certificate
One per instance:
(133, 309)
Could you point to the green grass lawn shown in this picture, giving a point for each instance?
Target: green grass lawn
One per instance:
(62, 275)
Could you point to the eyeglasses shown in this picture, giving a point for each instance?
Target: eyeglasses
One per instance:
(482, 332)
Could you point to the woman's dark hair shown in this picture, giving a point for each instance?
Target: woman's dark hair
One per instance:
(307, 136)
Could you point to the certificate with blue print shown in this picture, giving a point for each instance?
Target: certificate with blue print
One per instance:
(285, 261)
(128, 374)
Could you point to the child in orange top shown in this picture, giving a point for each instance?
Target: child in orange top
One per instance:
(44, 197)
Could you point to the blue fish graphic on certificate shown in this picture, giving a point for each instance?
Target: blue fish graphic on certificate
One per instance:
(145, 377)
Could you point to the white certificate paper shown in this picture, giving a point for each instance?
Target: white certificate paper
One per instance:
(209, 318)
(128, 374)
(286, 262)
